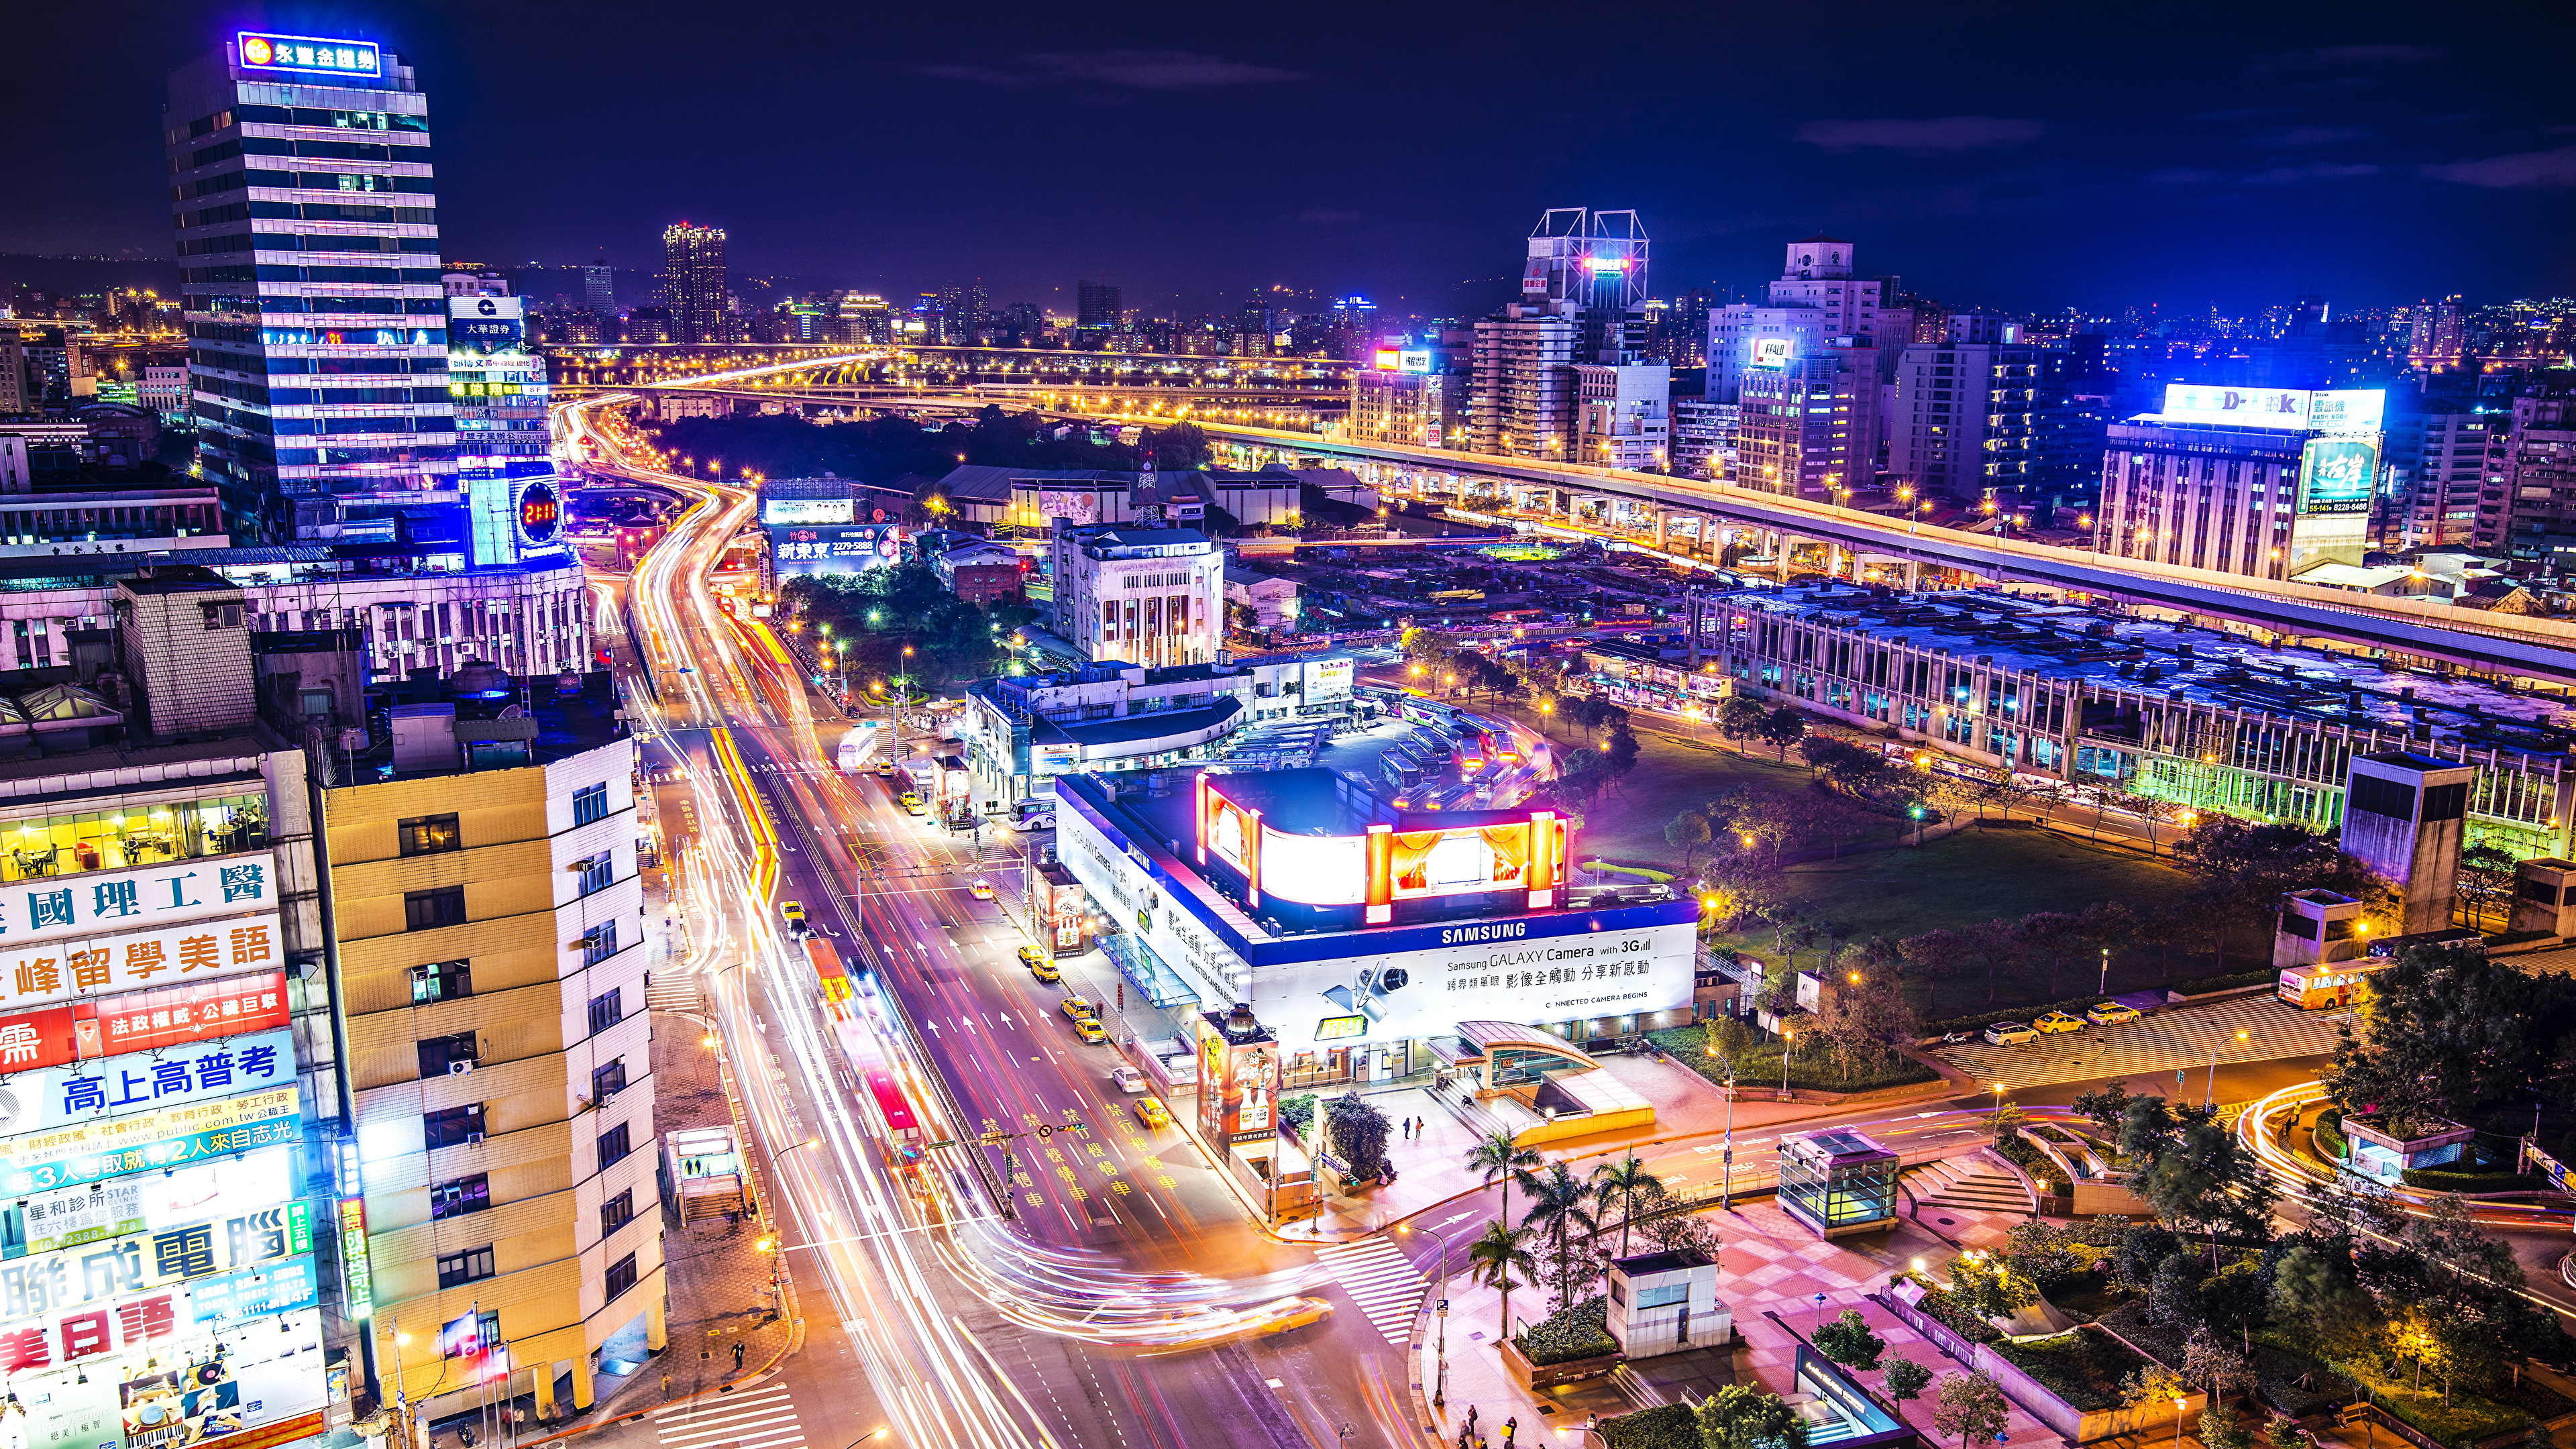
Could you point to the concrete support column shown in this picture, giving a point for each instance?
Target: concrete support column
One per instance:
(657, 1309)
(544, 1375)
(1913, 575)
(581, 1386)
(1834, 562)
(1663, 527)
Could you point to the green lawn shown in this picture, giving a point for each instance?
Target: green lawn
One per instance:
(1757, 1064)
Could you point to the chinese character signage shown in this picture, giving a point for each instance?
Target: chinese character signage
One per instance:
(105, 1147)
(53, 971)
(54, 1096)
(2338, 475)
(357, 1268)
(261, 51)
(149, 1201)
(137, 1021)
(255, 1292)
(94, 1273)
(100, 902)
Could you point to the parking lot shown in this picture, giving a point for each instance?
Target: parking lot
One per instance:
(2175, 1037)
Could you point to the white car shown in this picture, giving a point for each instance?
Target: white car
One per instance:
(2011, 1033)
(1129, 1080)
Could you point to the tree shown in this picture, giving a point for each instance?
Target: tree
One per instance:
(1742, 1416)
(2104, 1106)
(1866, 1020)
(2044, 1253)
(1847, 1340)
(1623, 1182)
(1997, 944)
(1687, 832)
(2245, 868)
(2220, 1428)
(2211, 1363)
(1497, 1156)
(2315, 1294)
(2447, 1029)
(2151, 1383)
(1181, 448)
(1358, 1134)
(2109, 927)
(2486, 883)
(2051, 934)
(1905, 1380)
(1783, 727)
(1501, 1260)
(1928, 958)
(1970, 1406)
(2197, 1176)
(1560, 1205)
(1740, 718)
(2003, 1123)
(1988, 1288)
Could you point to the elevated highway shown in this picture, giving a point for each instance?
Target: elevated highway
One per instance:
(2510, 645)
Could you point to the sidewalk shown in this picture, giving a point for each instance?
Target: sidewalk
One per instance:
(1769, 1266)
(1430, 1170)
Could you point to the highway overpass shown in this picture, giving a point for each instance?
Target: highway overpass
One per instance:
(2509, 645)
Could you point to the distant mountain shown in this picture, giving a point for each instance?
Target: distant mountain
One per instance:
(72, 276)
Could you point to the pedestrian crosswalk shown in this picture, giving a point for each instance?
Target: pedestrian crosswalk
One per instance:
(762, 1418)
(672, 990)
(1380, 1280)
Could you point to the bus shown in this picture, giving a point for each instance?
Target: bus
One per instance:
(835, 978)
(904, 1137)
(2326, 983)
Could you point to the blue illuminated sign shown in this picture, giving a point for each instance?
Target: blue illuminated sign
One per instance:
(310, 54)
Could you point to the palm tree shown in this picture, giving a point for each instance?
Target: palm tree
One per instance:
(1495, 1257)
(1497, 1155)
(1557, 1209)
(1621, 1181)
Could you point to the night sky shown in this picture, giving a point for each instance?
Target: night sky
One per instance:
(2017, 156)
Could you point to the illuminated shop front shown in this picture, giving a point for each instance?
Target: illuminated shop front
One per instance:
(1357, 932)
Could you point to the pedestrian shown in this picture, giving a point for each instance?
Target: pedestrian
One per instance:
(1471, 1416)
(737, 1356)
(1511, 1427)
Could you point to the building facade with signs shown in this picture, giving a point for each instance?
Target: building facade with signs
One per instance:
(1358, 932)
(489, 928)
(171, 1095)
(2266, 482)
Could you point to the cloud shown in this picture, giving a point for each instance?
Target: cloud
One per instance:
(2183, 176)
(2318, 171)
(2353, 55)
(2309, 136)
(2523, 168)
(1143, 70)
(1920, 138)
(1323, 216)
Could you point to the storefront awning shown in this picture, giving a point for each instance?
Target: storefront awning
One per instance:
(1145, 971)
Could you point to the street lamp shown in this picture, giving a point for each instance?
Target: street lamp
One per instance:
(2103, 987)
(1788, 1042)
(2210, 1097)
(1440, 1380)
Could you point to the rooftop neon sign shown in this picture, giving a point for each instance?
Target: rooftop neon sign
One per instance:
(311, 54)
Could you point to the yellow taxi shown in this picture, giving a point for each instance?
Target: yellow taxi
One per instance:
(2058, 1021)
(1152, 1113)
(1078, 1008)
(792, 912)
(2111, 1013)
(911, 804)
(1089, 1029)
(1038, 964)
(980, 889)
(1281, 1315)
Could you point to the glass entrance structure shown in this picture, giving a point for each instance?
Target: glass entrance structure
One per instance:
(1837, 1182)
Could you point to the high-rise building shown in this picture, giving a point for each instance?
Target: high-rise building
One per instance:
(2434, 337)
(504, 449)
(1969, 410)
(1817, 300)
(1409, 396)
(2445, 456)
(1098, 307)
(489, 927)
(1150, 596)
(1520, 398)
(1704, 438)
(2539, 503)
(864, 317)
(2266, 482)
(1623, 415)
(599, 288)
(693, 283)
(962, 310)
(306, 219)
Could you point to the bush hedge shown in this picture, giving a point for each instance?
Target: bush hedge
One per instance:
(2229, 982)
(1579, 1330)
(2082, 1368)
(2434, 1179)
(2026, 1155)
(1953, 1315)
(1672, 1426)
(2330, 1138)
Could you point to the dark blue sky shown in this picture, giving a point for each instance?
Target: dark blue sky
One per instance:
(2012, 155)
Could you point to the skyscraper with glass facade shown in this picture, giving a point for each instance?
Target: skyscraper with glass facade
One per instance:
(307, 226)
(693, 283)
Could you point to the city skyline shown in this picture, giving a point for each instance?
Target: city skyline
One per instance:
(2382, 163)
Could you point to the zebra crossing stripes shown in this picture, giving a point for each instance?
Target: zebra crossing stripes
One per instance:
(1379, 1278)
(763, 1418)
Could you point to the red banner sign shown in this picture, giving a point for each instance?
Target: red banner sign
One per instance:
(136, 1021)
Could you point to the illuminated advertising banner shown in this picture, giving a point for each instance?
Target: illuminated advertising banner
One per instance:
(54, 1096)
(2289, 408)
(105, 1147)
(149, 1202)
(1317, 870)
(1774, 351)
(175, 1379)
(142, 1020)
(1460, 862)
(104, 965)
(121, 900)
(825, 549)
(2338, 475)
(94, 1273)
(1515, 977)
(1238, 1087)
(261, 50)
(809, 510)
(540, 514)
(1232, 833)
(478, 327)
(1327, 678)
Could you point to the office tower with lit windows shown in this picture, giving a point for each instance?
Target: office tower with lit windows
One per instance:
(1098, 307)
(693, 283)
(307, 231)
(599, 288)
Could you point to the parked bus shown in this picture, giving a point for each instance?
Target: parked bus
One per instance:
(2327, 983)
(904, 1137)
